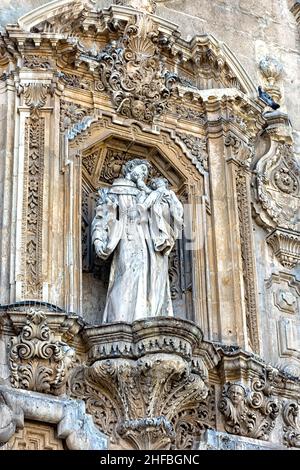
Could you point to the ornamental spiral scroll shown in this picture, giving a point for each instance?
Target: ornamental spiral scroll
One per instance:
(37, 362)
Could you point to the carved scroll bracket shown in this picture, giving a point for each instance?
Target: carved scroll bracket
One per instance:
(74, 425)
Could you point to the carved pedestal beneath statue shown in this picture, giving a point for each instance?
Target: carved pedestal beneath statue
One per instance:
(146, 384)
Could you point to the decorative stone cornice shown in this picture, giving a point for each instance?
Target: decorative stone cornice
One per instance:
(291, 419)
(286, 246)
(154, 335)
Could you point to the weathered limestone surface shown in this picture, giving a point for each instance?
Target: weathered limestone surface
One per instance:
(85, 87)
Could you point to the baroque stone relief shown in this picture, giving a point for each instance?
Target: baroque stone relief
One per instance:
(250, 413)
(37, 361)
(132, 71)
(277, 193)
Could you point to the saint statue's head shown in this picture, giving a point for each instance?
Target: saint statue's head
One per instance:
(136, 170)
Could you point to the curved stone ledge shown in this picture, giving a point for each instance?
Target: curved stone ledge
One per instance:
(151, 336)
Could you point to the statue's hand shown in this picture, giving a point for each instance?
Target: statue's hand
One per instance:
(99, 248)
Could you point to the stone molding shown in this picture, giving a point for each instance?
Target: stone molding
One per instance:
(146, 383)
(73, 423)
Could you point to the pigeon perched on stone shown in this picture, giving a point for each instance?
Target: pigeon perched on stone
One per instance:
(267, 99)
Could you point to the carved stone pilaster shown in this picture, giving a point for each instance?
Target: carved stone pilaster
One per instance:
(35, 96)
(248, 413)
(37, 361)
(291, 420)
(145, 392)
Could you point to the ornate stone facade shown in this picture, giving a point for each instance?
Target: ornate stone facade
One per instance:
(87, 86)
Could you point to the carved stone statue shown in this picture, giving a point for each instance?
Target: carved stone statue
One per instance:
(139, 226)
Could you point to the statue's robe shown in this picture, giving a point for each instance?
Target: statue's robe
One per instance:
(140, 239)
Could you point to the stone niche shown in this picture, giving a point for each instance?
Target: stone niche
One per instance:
(101, 164)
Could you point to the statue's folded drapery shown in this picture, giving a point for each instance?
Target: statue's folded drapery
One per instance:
(141, 231)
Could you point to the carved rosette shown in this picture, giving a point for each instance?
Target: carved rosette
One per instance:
(291, 419)
(145, 393)
(37, 361)
(250, 413)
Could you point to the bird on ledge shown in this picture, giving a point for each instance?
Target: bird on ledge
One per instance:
(267, 99)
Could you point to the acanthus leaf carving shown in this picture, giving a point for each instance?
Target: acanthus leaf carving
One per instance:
(36, 62)
(71, 114)
(249, 413)
(242, 151)
(197, 148)
(37, 361)
(134, 402)
(291, 419)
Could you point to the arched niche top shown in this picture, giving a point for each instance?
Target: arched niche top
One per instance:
(203, 63)
(168, 151)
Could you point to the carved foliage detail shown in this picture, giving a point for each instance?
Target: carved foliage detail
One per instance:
(249, 413)
(241, 151)
(150, 403)
(37, 361)
(132, 71)
(197, 148)
(291, 419)
(278, 189)
(71, 113)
